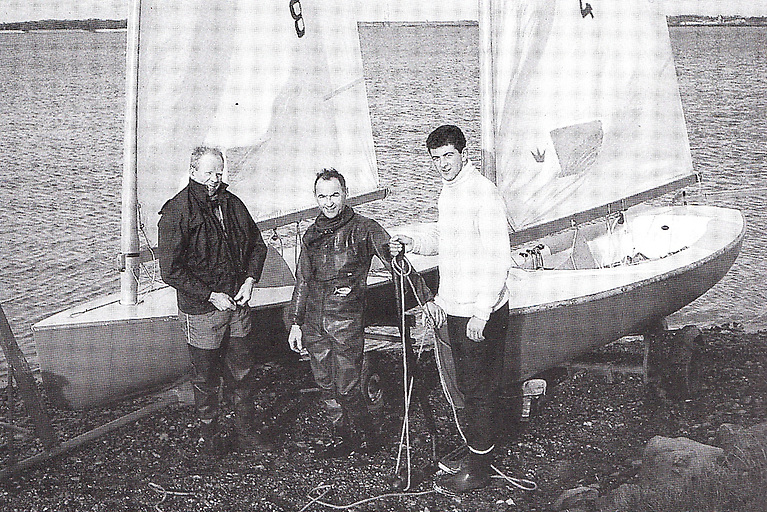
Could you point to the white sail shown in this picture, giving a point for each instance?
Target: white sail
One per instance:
(587, 109)
(277, 84)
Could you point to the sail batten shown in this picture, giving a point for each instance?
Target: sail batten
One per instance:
(277, 85)
(588, 109)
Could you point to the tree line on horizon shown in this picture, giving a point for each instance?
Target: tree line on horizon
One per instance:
(99, 24)
(90, 25)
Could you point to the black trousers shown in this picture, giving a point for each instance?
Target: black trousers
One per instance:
(479, 372)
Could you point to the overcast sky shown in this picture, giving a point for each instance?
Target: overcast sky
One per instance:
(24, 10)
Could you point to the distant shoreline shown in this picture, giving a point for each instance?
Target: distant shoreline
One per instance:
(99, 25)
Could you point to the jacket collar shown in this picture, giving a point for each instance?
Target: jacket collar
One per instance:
(200, 191)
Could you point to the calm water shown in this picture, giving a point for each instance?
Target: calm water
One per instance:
(61, 115)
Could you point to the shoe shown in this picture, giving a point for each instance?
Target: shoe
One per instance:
(454, 461)
(474, 475)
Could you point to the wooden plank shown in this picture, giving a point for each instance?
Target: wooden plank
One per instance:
(27, 385)
(88, 437)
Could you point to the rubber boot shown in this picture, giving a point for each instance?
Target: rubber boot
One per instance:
(454, 461)
(474, 475)
(246, 439)
(206, 382)
(371, 442)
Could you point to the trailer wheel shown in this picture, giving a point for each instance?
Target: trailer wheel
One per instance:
(372, 383)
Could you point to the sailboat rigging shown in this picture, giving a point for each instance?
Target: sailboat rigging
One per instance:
(581, 122)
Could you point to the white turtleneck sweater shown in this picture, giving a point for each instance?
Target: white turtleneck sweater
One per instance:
(472, 240)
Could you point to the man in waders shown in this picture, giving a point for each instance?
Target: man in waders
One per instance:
(472, 241)
(327, 311)
(212, 253)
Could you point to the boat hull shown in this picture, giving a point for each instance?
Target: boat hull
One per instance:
(544, 337)
(102, 351)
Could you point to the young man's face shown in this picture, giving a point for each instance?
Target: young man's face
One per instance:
(448, 161)
(209, 172)
(330, 196)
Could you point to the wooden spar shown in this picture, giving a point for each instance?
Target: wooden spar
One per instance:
(87, 437)
(487, 89)
(289, 218)
(129, 241)
(19, 369)
(535, 232)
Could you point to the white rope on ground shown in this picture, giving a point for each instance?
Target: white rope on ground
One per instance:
(165, 493)
(325, 489)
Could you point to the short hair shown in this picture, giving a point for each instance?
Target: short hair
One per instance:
(200, 151)
(329, 174)
(444, 135)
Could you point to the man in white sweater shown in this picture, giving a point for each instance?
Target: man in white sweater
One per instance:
(472, 240)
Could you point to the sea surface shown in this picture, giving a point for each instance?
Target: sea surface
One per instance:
(61, 129)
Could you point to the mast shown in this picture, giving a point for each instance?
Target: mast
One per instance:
(487, 89)
(129, 242)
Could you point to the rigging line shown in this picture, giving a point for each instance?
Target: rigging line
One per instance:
(407, 380)
(343, 88)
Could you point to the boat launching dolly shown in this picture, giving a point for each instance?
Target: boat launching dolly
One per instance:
(20, 371)
(669, 365)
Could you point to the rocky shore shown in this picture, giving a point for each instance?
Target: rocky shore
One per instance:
(586, 447)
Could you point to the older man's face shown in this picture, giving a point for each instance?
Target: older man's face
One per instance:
(209, 172)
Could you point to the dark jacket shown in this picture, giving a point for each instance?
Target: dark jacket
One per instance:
(197, 256)
(336, 259)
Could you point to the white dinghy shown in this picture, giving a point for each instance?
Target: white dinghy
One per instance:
(581, 123)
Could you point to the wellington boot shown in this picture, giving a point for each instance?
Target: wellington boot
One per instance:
(475, 474)
(454, 461)
(212, 441)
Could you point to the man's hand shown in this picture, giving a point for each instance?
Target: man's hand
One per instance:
(294, 339)
(474, 329)
(436, 313)
(222, 301)
(246, 290)
(398, 244)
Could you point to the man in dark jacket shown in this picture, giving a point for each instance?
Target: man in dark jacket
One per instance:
(212, 253)
(327, 311)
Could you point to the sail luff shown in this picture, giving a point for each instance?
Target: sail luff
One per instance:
(487, 90)
(129, 240)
